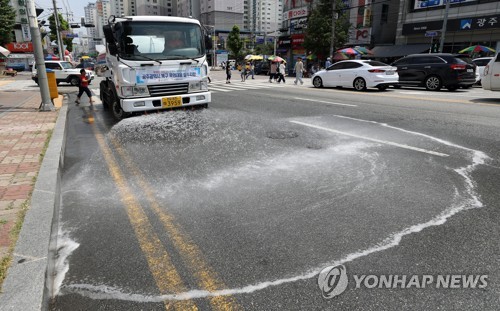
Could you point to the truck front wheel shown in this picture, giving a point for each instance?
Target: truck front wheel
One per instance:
(116, 108)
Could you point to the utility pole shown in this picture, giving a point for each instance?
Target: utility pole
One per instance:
(58, 31)
(334, 17)
(445, 22)
(40, 63)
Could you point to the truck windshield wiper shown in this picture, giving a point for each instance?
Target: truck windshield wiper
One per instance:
(148, 58)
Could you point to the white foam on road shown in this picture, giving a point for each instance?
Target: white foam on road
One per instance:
(65, 247)
(470, 200)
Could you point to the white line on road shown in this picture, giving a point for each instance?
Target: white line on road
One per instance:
(373, 139)
(325, 102)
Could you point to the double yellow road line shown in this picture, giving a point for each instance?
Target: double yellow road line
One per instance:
(167, 278)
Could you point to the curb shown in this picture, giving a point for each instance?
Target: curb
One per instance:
(25, 286)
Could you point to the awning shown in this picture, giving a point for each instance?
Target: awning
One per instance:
(399, 50)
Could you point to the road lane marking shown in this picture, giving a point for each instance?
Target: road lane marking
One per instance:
(160, 264)
(190, 253)
(325, 102)
(373, 139)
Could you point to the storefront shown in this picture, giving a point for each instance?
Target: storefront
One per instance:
(21, 56)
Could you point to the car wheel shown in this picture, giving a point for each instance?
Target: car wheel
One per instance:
(382, 87)
(433, 83)
(359, 84)
(75, 81)
(317, 82)
(116, 109)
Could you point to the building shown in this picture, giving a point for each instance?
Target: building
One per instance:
(21, 48)
(103, 11)
(91, 18)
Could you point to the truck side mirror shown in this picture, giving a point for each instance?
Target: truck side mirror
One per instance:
(110, 39)
(208, 42)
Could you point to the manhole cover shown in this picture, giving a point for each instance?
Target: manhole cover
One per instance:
(281, 134)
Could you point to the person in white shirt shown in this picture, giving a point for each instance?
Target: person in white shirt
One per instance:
(299, 71)
(281, 72)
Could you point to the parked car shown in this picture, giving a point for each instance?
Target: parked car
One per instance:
(65, 72)
(262, 67)
(86, 65)
(481, 64)
(434, 71)
(359, 74)
(491, 75)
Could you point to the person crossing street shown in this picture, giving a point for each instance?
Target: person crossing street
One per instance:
(299, 71)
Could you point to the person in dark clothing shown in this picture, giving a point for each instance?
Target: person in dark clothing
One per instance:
(228, 73)
(84, 87)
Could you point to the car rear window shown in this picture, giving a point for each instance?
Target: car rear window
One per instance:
(375, 63)
(481, 62)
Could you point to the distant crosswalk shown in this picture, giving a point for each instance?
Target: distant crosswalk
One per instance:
(222, 86)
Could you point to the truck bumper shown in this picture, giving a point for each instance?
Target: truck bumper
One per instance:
(155, 103)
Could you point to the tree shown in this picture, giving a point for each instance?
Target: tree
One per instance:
(63, 25)
(8, 18)
(264, 49)
(234, 42)
(319, 28)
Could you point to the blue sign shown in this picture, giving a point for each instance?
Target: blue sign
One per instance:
(431, 33)
(466, 24)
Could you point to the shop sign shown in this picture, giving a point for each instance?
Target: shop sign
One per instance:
(458, 24)
(297, 40)
(19, 47)
(295, 13)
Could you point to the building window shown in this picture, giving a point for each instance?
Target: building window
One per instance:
(385, 13)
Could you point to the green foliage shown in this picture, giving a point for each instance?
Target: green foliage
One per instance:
(235, 43)
(63, 25)
(264, 49)
(319, 28)
(8, 19)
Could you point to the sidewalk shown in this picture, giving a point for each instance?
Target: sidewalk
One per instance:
(24, 133)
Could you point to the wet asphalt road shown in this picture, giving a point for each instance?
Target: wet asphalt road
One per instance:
(242, 204)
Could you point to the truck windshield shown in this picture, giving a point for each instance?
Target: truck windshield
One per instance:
(161, 41)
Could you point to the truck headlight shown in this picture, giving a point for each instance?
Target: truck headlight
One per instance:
(128, 91)
(197, 86)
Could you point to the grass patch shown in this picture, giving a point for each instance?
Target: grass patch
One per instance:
(14, 234)
(45, 145)
(3, 221)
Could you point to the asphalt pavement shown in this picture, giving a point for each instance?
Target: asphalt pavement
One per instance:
(241, 205)
(249, 200)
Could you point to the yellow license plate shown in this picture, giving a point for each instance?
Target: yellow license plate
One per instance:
(168, 102)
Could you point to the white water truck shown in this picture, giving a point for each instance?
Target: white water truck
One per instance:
(154, 63)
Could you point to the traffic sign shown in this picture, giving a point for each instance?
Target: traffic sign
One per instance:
(431, 33)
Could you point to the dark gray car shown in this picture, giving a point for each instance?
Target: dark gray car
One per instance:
(434, 71)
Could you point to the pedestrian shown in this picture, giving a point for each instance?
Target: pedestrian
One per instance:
(272, 72)
(243, 73)
(228, 73)
(252, 69)
(299, 71)
(84, 87)
(328, 62)
(281, 72)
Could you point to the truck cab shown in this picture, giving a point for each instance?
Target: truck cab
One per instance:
(154, 63)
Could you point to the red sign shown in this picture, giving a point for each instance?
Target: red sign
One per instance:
(297, 40)
(17, 47)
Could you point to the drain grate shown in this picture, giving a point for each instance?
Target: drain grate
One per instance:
(282, 134)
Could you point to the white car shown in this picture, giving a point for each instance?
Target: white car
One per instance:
(65, 72)
(481, 63)
(491, 75)
(359, 74)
